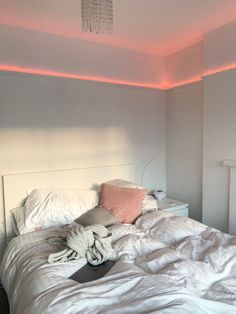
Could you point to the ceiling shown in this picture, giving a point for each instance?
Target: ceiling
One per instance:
(155, 26)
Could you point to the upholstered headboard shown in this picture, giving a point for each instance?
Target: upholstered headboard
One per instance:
(15, 186)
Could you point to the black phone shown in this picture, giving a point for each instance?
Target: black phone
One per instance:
(89, 272)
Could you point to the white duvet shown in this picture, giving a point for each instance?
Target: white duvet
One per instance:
(166, 264)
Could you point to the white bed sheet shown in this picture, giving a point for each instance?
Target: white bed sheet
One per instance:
(166, 264)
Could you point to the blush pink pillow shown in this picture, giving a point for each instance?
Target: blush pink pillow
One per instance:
(124, 203)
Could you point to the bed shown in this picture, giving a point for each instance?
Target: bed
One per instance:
(164, 263)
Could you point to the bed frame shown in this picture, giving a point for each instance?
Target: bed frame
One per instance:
(15, 186)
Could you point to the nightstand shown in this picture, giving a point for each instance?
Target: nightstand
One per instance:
(176, 207)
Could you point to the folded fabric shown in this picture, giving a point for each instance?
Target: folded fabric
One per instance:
(92, 242)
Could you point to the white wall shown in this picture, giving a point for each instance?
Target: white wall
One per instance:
(45, 51)
(185, 65)
(220, 47)
(219, 144)
(219, 96)
(186, 123)
(184, 127)
(52, 123)
(184, 146)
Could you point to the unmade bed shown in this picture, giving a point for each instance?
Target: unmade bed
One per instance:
(164, 264)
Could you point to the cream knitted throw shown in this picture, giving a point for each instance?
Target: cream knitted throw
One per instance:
(92, 242)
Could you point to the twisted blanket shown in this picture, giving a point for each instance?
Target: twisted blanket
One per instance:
(92, 242)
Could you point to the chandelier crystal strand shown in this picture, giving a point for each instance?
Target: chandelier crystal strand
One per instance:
(97, 16)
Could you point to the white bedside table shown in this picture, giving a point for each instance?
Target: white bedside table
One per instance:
(173, 206)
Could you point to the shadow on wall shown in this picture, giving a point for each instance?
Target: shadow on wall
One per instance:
(52, 123)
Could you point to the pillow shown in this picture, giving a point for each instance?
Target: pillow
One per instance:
(98, 215)
(148, 203)
(124, 184)
(17, 219)
(124, 203)
(45, 208)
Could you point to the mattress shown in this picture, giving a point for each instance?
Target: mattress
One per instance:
(165, 264)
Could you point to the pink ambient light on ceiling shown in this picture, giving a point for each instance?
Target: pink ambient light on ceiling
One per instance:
(161, 86)
(50, 73)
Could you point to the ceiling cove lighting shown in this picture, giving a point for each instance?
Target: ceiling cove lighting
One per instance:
(50, 73)
(97, 16)
(160, 86)
(184, 82)
(223, 68)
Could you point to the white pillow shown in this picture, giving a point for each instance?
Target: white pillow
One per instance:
(45, 208)
(14, 219)
(148, 204)
(18, 221)
(124, 184)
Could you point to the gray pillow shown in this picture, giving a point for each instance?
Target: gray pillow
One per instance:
(98, 216)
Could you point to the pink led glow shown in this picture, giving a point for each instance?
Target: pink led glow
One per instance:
(34, 71)
(179, 31)
(199, 78)
(162, 86)
(224, 68)
(184, 82)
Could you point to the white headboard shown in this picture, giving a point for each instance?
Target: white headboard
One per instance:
(15, 186)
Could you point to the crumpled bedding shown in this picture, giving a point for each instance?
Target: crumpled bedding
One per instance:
(165, 264)
(92, 242)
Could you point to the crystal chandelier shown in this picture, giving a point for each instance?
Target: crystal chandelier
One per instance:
(97, 16)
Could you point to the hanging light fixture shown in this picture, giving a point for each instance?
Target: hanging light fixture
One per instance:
(97, 16)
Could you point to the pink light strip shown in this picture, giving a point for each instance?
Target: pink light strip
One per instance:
(25, 70)
(185, 82)
(224, 68)
(162, 86)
